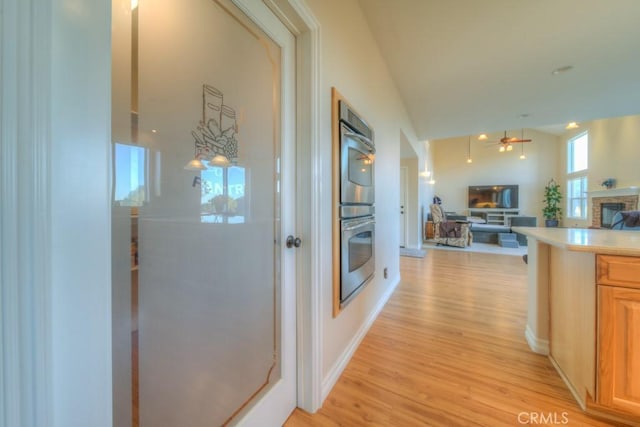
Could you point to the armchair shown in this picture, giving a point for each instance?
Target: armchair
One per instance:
(451, 233)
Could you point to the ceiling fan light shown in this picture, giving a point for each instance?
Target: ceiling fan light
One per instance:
(509, 147)
(501, 149)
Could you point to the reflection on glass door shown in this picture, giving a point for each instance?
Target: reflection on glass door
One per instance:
(196, 205)
(223, 194)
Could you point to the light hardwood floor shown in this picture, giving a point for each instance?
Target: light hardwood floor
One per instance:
(448, 349)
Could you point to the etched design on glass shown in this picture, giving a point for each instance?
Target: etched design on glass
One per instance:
(215, 136)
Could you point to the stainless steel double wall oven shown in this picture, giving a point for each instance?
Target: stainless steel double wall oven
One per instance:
(357, 198)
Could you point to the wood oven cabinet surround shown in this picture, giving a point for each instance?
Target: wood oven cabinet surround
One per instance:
(584, 291)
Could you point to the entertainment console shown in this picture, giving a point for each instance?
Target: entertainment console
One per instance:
(495, 216)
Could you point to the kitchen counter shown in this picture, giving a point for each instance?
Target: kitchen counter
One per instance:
(583, 311)
(608, 242)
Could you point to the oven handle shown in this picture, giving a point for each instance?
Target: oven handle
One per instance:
(367, 141)
(359, 224)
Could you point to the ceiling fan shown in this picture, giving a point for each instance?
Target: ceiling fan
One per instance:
(505, 142)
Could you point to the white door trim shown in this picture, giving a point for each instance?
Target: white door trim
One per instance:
(404, 190)
(25, 364)
(303, 24)
(311, 193)
(80, 221)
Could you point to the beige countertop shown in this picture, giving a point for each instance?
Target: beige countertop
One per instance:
(619, 242)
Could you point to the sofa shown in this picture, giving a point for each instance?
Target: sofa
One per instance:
(626, 220)
(488, 233)
(523, 221)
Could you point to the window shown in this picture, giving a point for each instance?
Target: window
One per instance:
(578, 153)
(577, 200)
(130, 175)
(577, 165)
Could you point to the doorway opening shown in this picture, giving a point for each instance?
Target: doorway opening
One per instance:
(408, 208)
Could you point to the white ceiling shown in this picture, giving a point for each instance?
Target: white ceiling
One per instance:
(465, 67)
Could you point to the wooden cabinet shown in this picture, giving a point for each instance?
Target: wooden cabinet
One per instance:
(428, 230)
(618, 362)
(619, 271)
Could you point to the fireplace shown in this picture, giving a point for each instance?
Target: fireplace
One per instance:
(607, 212)
(606, 203)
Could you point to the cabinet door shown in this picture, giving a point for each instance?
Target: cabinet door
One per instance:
(619, 348)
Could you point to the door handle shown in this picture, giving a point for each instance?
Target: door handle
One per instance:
(293, 241)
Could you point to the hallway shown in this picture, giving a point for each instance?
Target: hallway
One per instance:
(449, 349)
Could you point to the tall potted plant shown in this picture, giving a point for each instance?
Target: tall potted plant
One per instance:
(552, 198)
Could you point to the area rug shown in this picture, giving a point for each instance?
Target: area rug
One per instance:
(478, 247)
(413, 253)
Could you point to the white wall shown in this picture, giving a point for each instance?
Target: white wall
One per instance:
(425, 189)
(453, 174)
(351, 62)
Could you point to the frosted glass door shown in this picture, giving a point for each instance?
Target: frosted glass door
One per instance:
(198, 169)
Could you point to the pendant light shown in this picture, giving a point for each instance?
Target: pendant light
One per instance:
(469, 159)
(196, 163)
(522, 156)
(219, 160)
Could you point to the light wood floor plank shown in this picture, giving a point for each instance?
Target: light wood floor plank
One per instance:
(448, 349)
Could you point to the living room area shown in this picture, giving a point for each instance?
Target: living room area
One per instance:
(458, 166)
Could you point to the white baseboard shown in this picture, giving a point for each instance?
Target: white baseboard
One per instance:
(337, 369)
(537, 345)
(412, 246)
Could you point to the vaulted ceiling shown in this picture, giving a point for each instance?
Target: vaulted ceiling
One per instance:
(465, 67)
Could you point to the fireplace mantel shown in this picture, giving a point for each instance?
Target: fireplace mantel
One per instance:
(615, 192)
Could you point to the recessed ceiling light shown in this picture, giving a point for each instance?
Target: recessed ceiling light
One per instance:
(483, 136)
(523, 115)
(562, 70)
(572, 125)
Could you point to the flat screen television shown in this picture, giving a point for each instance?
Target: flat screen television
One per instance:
(493, 196)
